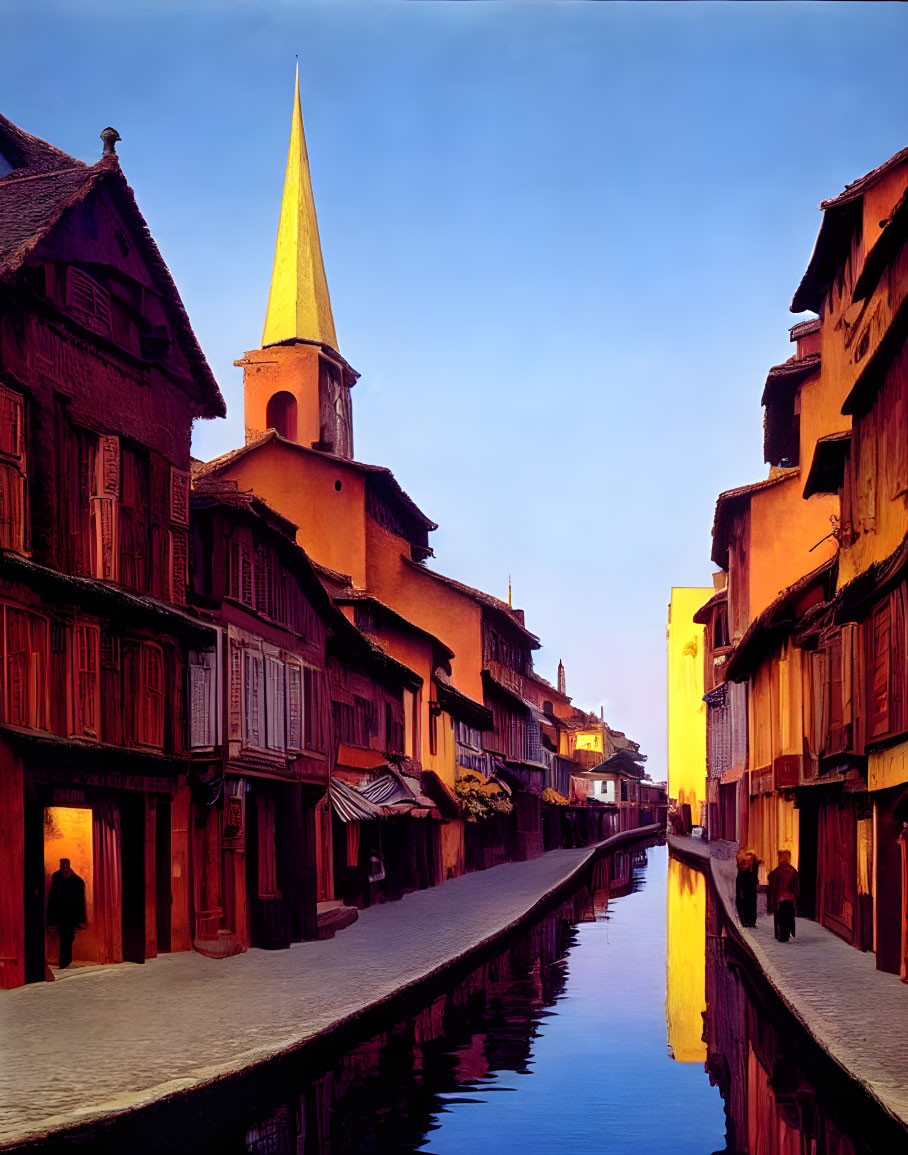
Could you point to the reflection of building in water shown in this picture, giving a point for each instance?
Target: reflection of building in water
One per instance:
(685, 965)
(771, 1105)
(386, 1093)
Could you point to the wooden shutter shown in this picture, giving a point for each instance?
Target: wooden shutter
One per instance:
(88, 301)
(104, 502)
(235, 709)
(274, 702)
(259, 596)
(178, 548)
(294, 683)
(179, 497)
(878, 689)
(12, 470)
(314, 730)
(242, 586)
(87, 680)
(152, 721)
(202, 698)
(254, 698)
(26, 670)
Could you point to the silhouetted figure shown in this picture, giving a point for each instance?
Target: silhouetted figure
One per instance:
(746, 887)
(66, 908)
(783, 893)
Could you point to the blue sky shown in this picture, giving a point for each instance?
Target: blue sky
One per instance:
(561, 241)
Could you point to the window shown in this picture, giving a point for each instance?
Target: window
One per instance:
(253, 698)
(259, 581)
(88, 301)
(280, 415)
(12, 470)
(274, 703)
(203, 730)
(720, 628)
(86, 680)
(394, 728)
(26, 670)
(143, 693)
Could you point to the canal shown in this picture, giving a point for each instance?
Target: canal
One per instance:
(622, 1021)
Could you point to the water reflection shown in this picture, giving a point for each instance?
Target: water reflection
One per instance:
(782, 1095)
(685, 962)
(557, 1044)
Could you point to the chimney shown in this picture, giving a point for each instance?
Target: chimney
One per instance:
(110, 136)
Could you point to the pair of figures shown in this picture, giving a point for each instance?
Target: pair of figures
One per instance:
(783, 892)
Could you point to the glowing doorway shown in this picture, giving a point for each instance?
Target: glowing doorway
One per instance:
(68, 834)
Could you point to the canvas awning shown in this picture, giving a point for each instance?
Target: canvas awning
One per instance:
(395, 794)
(349, 805)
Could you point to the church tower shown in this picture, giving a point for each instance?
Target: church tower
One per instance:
(297, 383)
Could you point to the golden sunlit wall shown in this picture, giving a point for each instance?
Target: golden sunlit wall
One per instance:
(686, 708)
(685, 967)
(589, 740)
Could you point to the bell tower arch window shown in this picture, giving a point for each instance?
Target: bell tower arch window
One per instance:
(281, 415)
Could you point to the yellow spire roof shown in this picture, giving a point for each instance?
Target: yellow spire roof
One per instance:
(298, 301)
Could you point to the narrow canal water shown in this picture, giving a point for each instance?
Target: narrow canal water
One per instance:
(620, 1022)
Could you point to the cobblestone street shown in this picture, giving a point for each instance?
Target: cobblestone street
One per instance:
(108, 1038)
(857, 1013)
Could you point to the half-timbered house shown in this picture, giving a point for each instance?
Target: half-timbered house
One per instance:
(101, 379)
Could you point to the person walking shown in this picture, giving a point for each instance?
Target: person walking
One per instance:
(66, 908)
(746, 886)
(783, 894)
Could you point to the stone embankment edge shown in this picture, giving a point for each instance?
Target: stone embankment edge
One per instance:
(156, 1097)
(702, 860)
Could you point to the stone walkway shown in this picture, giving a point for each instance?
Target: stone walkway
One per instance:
(107, 1039)
(859, 1015)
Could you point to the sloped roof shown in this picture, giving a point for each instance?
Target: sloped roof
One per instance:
(24, 151)
(701, 617)
(790, 373)
(726, 502)
(841, 214)
(380, 473)
(354, 596)
(513, 616)
(770, 626)
(35, 196)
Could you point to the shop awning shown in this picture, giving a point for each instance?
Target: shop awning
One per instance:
(349, 805)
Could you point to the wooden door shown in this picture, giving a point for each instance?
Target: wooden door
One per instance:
(837, 868)
(323, 851)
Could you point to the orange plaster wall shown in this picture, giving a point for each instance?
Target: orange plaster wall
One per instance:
(783, 527)
(301, 486)
(415, 652)
(821, 411)
(451, 616)
(293, 368)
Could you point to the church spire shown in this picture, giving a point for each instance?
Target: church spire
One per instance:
(298, 301)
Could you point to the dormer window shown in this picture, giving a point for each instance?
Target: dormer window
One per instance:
(88, 301)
